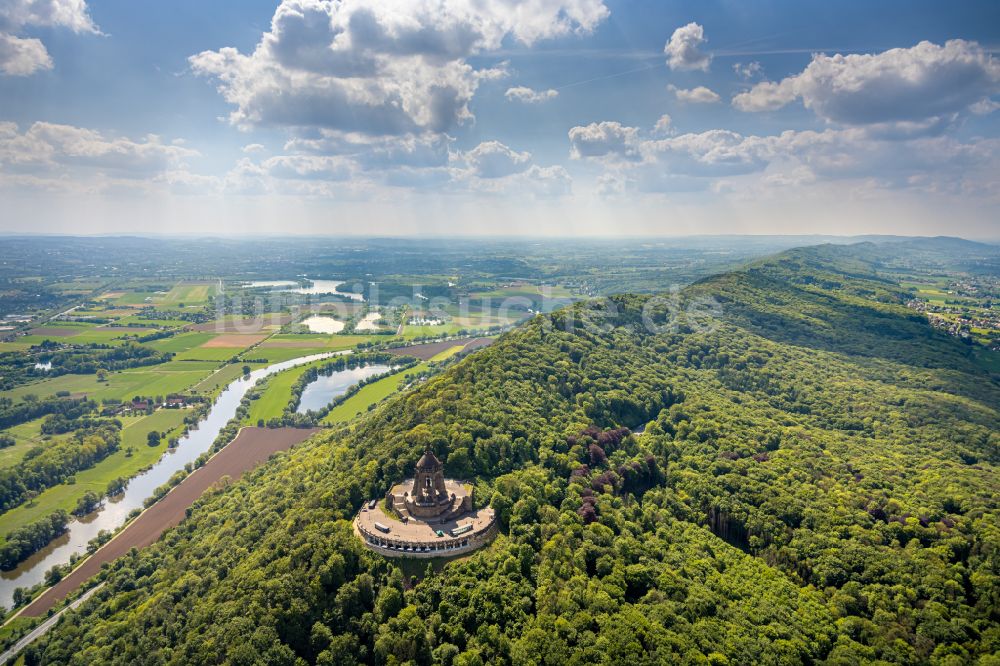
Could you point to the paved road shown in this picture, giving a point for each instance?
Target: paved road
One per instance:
(44, 627)
(250, 448)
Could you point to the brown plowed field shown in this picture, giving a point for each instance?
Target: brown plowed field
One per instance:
(250, 448)
(249, 326)
(54, 332)
(234, 340)
(478, 343)
(124, 329)
(426, 351)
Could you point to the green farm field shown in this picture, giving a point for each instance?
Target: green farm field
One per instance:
(82, 286)
(331, 342)
(107, 335)
(84, 335)
(219, 379)
(283, 347)
(135, 298)
(180, 343)
(119, 385)
(278, 354)
(273, 400)
(189, 294)
(177, 365)
(158, 323)
(413, 332)
(26, 436)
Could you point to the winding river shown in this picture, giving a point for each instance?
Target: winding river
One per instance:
(113, 512)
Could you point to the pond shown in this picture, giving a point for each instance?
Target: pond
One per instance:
(321, 392)
(317, 288)
(274, 284)
(322, 324)
(327, 287)
(368, 322)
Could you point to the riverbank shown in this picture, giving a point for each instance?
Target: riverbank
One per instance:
(250, 448)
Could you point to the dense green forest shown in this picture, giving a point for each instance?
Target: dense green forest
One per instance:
(816, 481)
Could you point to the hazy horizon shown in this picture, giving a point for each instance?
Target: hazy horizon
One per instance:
(805, 237)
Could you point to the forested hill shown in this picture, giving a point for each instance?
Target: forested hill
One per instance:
(829, 297)
(817, 482)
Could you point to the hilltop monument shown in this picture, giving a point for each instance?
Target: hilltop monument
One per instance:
(426, 516)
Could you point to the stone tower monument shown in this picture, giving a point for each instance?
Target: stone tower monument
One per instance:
(428, 481)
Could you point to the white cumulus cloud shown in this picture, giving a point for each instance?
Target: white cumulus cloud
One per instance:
(697, 95)
(915, 84)
(529, 95)
(697, 161)
(51, 148)
(608, 139)
(545, 182)
(21, 56)
(308, 167)
(387, 68)
(71, 14)
(378, 152)
(492, 159)
(55, 145)
(984, 107)
(748, 70)
(664, 125)
(711, 153)
(684, 48)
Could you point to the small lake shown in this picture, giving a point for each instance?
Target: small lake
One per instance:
(322, 324)
(321, 392)
(327, 287)
(274, 284)
(317, 288)
(368, 323)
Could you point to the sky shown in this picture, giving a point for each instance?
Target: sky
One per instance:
(497, 117)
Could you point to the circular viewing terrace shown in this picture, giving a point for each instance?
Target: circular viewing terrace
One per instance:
(426, 516)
